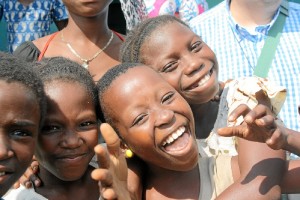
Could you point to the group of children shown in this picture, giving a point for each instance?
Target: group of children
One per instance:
(158, 102)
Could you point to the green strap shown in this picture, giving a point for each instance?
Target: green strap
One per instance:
(268, 51)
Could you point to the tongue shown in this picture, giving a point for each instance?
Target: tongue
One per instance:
(178, 144)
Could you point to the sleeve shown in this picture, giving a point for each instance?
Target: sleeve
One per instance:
(28, 51)
(59, 11)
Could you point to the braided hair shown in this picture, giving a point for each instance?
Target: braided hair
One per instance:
(131, 49)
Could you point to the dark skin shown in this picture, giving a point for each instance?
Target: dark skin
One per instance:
(87, 31)
(190, 66)
(256, 118)
(19, 127)
(66, 143)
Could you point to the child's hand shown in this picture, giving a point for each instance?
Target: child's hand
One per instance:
(112, 171)
(259, 125)
(30, 177)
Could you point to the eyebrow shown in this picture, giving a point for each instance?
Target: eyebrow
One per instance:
(23, 123)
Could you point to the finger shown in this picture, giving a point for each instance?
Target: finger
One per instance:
(108, 194)
(257, 112)
(241, 110)
(231, 131)
(16, 185)
(34, 166)
(35, 180)
(111, 138)
(102, 156)
(102, 175)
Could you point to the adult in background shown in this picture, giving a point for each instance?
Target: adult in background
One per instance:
(31, 19)
(236, 31)
(137, 10)
(86, 39)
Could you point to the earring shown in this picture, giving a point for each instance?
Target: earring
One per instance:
(128, 153)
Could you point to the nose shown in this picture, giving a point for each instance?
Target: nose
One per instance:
(71, 139)
(163, 117)
(192, 64)
(5, 147)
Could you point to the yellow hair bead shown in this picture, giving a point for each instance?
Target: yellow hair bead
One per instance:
(128, 153)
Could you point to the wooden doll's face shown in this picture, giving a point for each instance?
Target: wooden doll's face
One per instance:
(19, 127)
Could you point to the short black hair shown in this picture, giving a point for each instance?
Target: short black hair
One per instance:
(106, 81)
(13, 69)
(60, 68)
(131, 48)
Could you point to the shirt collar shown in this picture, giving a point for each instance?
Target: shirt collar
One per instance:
(256, 34)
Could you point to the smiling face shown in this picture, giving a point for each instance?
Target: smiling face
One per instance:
(65, 145)
(154, 121)
(19, 126)
(184, 60)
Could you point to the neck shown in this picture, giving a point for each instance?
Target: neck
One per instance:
(88, 28)
(204, 121)
(55, 188)
(251, 13)
(163, 184)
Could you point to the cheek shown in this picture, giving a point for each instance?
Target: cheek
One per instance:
(47, 144)
(24, 154)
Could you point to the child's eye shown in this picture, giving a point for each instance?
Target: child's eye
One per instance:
(21, 133)
(168, 97)
(50, 128)
(171, 66)
(139, 120)
(197, 46)
(88, 124)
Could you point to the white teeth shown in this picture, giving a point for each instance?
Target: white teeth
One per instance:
(204, 79)
(2, 173)
(174, 135)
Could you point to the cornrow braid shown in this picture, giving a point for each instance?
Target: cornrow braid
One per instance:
(131, 49)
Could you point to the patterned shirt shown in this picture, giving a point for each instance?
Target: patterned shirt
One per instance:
(238, 49)
(29, 22)
(137, 10)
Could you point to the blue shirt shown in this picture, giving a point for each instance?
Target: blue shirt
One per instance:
(238, 49)
(26, 23)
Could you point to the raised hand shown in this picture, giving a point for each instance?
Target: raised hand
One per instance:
(112, 171)
(259, 125)
(30, 177)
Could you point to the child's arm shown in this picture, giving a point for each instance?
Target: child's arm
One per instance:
(273, 134)
(29, 178)
(112, 171)
(261, 169)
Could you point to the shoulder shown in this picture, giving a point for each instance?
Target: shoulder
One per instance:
(28, 51)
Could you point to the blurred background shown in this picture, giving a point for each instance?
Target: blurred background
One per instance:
(116, 21)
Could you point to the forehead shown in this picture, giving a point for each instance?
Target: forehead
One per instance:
(169, 39)
(132, 85)
(18, 100)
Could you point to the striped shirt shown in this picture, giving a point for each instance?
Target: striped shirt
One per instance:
(238, 49)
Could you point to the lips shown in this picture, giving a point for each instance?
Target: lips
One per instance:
(202, 81)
